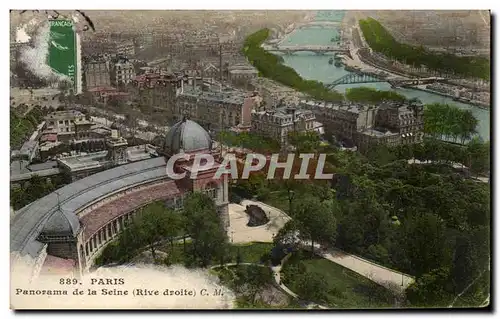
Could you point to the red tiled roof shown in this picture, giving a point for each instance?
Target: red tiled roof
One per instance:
(96, 219)
(49, 137)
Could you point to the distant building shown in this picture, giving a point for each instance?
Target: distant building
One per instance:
(214, 108)
(64, 126)
(97, 74)
(365, 125)
(211, 71)
(242, 74)
(156, 89)
(21, 170)
(125, 48)
(274, 94)
(122, 73)
(28, 152)
(279, 122)
(117, 153)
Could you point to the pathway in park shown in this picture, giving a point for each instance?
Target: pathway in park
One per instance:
(277, 278)
(238, 232)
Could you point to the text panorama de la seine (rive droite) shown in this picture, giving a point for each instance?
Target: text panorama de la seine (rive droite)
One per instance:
(72, 287)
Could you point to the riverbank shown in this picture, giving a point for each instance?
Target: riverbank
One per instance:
(352, 66)
(271, 66)
(422, 88)
(380, 40)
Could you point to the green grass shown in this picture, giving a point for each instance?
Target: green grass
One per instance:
(349, 289)
(250, 253)
(227, 275)
(278, 200)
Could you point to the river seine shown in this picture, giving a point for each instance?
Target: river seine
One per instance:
(315, 67)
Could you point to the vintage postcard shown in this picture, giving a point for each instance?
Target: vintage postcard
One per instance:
(250, 159)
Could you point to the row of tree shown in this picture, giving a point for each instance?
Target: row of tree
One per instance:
(380, 40)
(474, 156)
(270, 66)
(249, 141)
(444, 120)
(87, 146)
(36, 188)
(156, 224)
(21, 127)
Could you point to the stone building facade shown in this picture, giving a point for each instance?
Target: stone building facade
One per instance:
(390, 123)
(279, 122)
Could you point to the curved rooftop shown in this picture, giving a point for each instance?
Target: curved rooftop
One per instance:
(62, 223)
(56, 211)
(186, 136)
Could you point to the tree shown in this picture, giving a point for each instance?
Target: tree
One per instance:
(429, 290)
(380, 154)
(471, 258)
(203, 225)
(425, 243)
(270, 66)
(378, 253)
(478, 156)
(380, 40)
(312, 286)
(288, 234)
(350, 233)
(315, 222)
(252, 279)
(308, 142)
(154, 223)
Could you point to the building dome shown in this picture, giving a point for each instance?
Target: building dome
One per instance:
(62, 224)
(186, 136)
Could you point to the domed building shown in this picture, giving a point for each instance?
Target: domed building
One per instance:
(187, 136)
(77, 221)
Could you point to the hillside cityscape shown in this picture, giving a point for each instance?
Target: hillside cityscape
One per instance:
(394, 105)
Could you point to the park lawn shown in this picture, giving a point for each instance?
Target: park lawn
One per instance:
(251, 252)
(278, 200)
(349, 289)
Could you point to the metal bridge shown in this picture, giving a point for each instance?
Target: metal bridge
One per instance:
(355, 78)
(290, 49)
